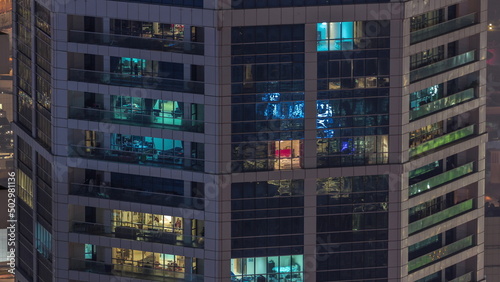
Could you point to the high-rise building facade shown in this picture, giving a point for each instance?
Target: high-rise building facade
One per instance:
(250, 140)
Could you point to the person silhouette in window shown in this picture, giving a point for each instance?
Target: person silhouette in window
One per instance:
(136, 69)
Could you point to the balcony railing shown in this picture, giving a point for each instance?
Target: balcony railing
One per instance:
(464, 278)
(441, 141)
(127, 270)
(135, 42)
(128, 80)
(135, 196)
(441, 216)
(133, 118)
(441, 253)
(442, 28)
(441, 104)
(173, 159)
(441, 179)
(131, 233)
(442, 66)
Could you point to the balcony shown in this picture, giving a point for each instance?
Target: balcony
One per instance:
(128, 80)
(134, 42)
(441, 179)
(441, 253)
(442, 28)
(137, 272)
(137, 119)
(137, 234)
(441, 104)
(441, 141)
(441, 216)
(172, 158)
(442, 66)
(134, 196)
(464, 278)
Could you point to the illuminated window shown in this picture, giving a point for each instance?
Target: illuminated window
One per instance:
(158, 261)
(342, 36)
(43, 241)
(268, 268)
(426, 96)
(89, 251)
(25, 191)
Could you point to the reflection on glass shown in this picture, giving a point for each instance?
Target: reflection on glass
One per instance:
(441, 104)
(442, 66)
(430, 31)
(144, 150)
(426, 96)
(441, 141)
(441, 216)
(440, 179)
(441, 253)
(276, 108)
(364, 150)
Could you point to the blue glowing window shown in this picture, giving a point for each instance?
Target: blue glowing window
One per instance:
(89, 251)
(273, 108)
(43, 241)
(336, 36)
(324, 117)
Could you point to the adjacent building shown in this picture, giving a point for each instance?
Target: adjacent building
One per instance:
(231, 140)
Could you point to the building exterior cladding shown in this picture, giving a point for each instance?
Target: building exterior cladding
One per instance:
(286, 140)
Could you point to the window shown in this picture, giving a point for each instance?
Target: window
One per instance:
(267, 97)
(268, 268)
(158, 261)
(343, 36)
(147, 29)
(147, 221)
(426, 20)
(43, 242)
(90, 252)
(427, 57)
(43, 126)
(426, 96)
(426, 133)
(25, 185)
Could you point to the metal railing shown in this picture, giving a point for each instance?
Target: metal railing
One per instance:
(464, 278)
(131, 118)
(129, 80)
(440, 179)
(441, 216)
(175, 160)
(136, 196)
(132, 271)
(441, 104)
(442, 28)
(441, 253)
(136, 42)
(442, 66)
(124, 232)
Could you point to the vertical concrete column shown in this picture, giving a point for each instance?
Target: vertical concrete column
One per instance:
(187, 191)
(187, 154)
(187, 72)
(311, 256)
(310, 70)
(106, 142)
(186, 231)
(107, 218)
(187, 37)
(188, 266)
